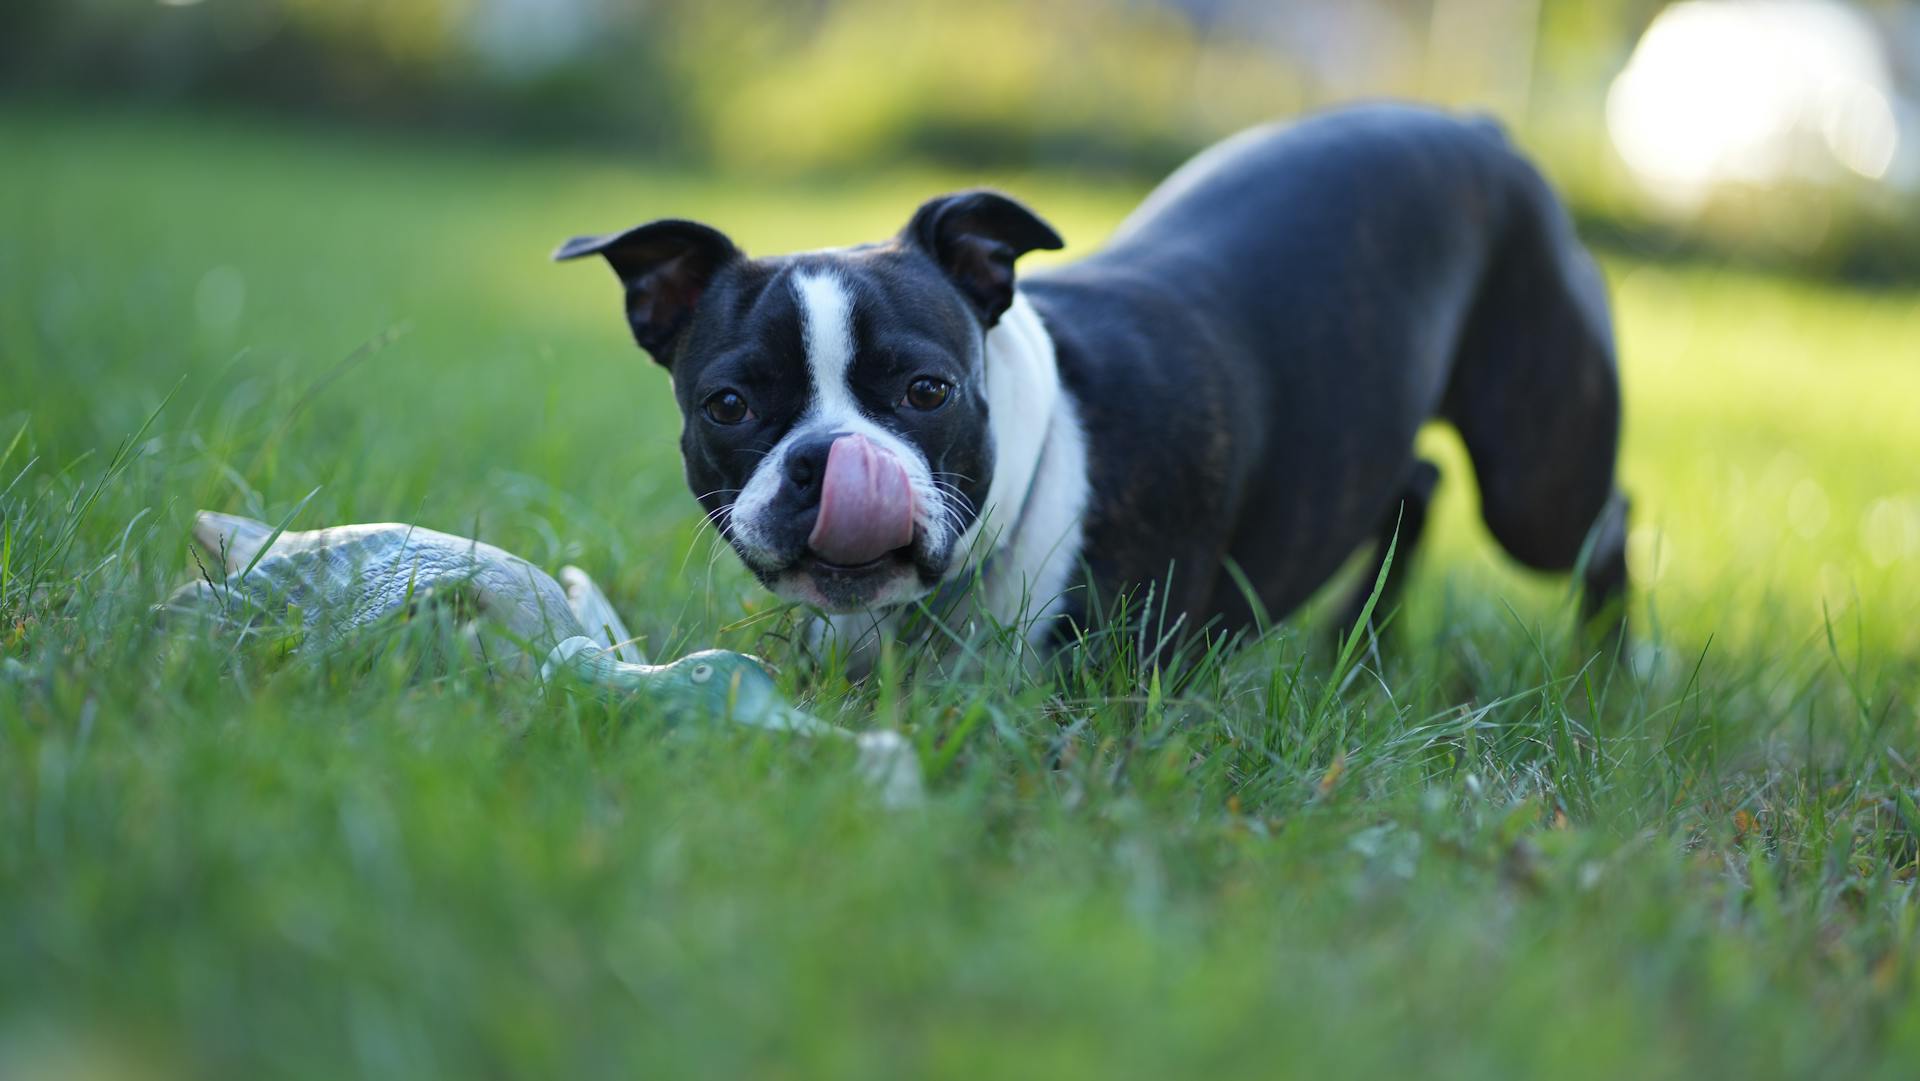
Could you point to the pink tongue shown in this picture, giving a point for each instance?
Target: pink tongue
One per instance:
(866, 505)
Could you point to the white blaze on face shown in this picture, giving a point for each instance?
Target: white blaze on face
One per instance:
(826, 319)
(826, 315)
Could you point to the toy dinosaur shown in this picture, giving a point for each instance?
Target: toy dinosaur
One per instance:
(341, 579)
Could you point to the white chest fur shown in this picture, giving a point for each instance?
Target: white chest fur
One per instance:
(1033, 530)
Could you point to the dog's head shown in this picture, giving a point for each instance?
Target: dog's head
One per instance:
(834, 405)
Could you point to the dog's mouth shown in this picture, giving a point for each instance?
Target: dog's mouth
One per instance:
(861, 543)
(818, 565)
(891, 578)
(897, 576)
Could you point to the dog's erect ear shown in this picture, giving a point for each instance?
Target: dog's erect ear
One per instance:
(975, 236)
(666, 266)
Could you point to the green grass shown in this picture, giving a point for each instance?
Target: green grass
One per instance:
(1475, 856)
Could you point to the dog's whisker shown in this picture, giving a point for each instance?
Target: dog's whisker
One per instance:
(958, 505)
(950, 488)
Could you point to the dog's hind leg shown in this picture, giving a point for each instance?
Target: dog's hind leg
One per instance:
(1400, 531)
(1603, 602)
(1536, 398)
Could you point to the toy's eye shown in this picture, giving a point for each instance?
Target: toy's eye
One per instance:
(726, 407)
(702, 673)
(927, 393)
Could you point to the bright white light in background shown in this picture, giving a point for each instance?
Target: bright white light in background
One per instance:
(1756, 92)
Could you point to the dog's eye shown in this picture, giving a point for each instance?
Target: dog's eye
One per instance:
(927, 393)
(727, 407)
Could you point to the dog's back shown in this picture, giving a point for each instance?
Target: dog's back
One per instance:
(1287, 310)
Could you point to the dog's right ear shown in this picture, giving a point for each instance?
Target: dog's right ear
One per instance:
(975, 236)
(666, 266)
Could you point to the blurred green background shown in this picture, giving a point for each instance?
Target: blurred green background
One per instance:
(1782, 132)
(322, 226)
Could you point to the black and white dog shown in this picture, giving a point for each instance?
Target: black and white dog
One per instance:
(1236, 380)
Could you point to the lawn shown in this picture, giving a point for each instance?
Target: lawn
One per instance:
(1474, 855)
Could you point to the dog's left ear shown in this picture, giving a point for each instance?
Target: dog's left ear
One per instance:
(666, 267)
(975, 236)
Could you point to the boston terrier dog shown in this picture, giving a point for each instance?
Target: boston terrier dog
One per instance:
(1212, 414)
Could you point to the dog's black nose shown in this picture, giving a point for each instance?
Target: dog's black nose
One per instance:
(806, 464)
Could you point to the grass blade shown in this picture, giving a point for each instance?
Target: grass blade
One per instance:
(279, 529)
(1351, 640)
(13, 444)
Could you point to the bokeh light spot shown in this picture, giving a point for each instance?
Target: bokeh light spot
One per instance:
(1890, 531)
(1808, 508)
(1751, 92)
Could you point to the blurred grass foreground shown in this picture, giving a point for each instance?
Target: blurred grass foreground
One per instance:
(248, 251)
